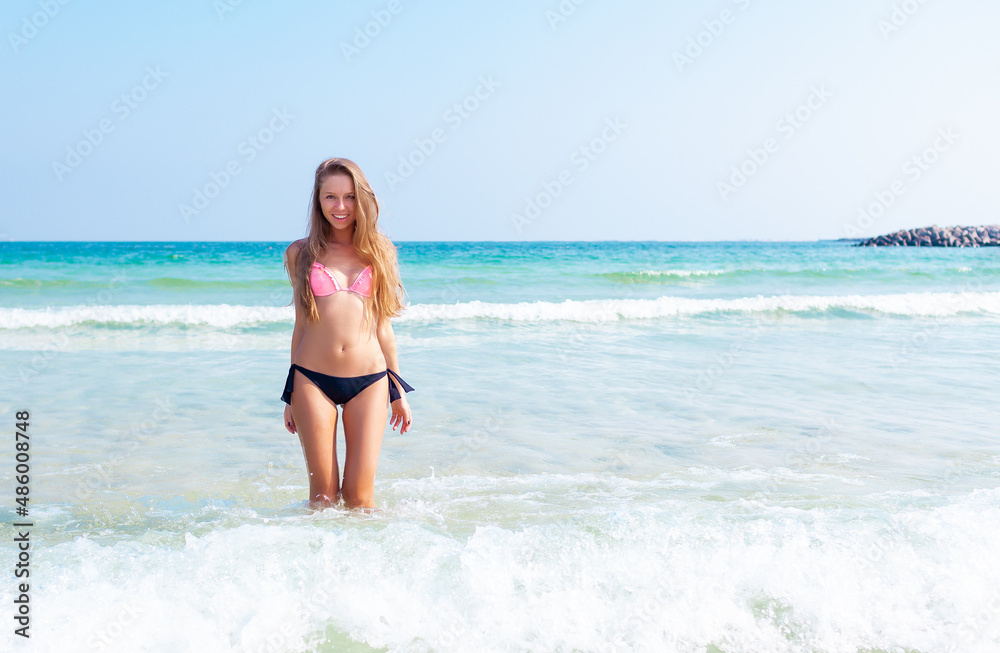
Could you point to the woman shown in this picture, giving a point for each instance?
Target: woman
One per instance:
(346, 288)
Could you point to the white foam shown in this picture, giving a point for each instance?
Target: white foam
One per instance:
(215, 315)
(507, 563)
(926, 304)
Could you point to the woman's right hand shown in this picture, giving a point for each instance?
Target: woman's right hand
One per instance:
(289, 420)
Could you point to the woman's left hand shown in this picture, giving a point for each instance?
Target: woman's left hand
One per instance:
(400, 415)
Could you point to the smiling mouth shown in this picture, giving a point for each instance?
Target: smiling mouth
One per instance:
(341, 217)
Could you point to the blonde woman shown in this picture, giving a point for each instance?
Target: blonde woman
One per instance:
(346, 286)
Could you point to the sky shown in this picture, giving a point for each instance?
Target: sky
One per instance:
(204, 120)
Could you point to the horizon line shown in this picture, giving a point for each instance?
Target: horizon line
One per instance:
(751, 240)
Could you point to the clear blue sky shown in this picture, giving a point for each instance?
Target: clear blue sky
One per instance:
(609, 117)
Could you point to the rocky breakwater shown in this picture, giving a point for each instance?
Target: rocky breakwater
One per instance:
(935, 236)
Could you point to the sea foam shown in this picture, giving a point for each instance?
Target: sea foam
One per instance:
(616, 572)
(924, 304)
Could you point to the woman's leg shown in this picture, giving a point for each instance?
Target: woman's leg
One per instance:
(316, 422)
(365, 417)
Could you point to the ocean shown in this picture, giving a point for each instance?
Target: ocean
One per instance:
(617, 446)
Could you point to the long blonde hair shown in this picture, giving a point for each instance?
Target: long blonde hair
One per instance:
(374, 248)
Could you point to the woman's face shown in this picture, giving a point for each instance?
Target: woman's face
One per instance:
(336, 198)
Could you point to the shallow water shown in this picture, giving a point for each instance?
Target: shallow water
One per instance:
(617, 446)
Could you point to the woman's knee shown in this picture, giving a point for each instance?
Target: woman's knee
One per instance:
(358, 497)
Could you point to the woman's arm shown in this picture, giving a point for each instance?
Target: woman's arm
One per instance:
(291, 255)
(291, 258)
(387, 342)
(401, 416)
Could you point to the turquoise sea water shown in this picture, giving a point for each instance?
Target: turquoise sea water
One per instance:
(616, 447)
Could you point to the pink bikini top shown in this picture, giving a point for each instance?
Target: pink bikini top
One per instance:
(324, 283)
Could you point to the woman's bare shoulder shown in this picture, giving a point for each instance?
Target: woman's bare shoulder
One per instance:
(293, 249)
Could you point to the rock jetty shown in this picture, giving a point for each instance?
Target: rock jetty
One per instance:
(935, 236)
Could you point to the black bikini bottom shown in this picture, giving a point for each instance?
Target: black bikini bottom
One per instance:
(341, 389)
